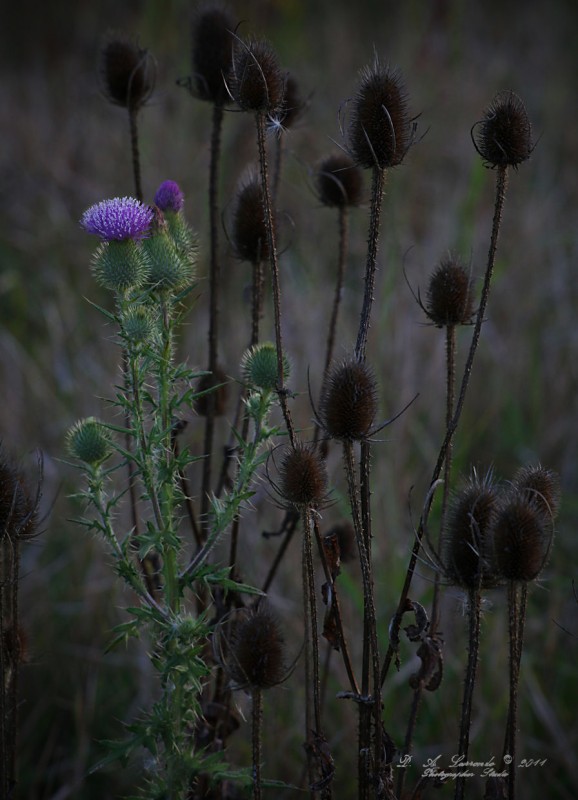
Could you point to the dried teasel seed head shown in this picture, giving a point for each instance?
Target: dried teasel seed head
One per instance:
(249, 235)
(339, 182)
(504, 136)
(127, 72)
(348, 400)
(260, 368)
(303, 477)
(255, 657)
(89, 441)
(18, 512)
(466, 549)
(256, 82)
(214, 388)
(540, 487)
(450, 294)
(380, 131)
(522, 539)
(212, 52)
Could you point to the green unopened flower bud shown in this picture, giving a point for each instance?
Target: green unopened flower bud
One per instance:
(89, 441)
(168, 269)
(138, 324)
(119, 266)
(259, 366)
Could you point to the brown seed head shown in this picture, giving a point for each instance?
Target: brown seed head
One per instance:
(256, 81)
(449, 295)
(381, 130)
(256, 652)
(504, 136)
(212, 52)
(219, 396)
(348, 400)
(339, 181)
(293, 104)
(249, 236)
(303, 477)
(540, 487)
(466, 552)
(127, 72)
(522, 539)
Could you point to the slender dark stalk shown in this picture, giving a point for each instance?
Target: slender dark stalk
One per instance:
(371, 654)
(273, 260)
(289, 526)
(475, 605)
(377, 187)
(501, 186)
(517, 604)
(134, 147)
(257, 717)
(214, 285)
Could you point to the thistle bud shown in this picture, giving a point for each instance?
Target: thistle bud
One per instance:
(127, 72)
(348, 400)
(339, 181)
(522, 539)
(249, 236)
(466, 551)
(259, 366)
(138, 324)
(89, 441)
(256, 83)
(380, 132)
(212, 52)
(303, 477)
(449, 295)
(504, 136)
(119, 266)
(167, 269)
(255, 657)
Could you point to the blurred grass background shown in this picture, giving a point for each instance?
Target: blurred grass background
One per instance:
(64, 148)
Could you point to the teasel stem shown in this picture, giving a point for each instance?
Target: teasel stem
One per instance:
(257, 302)
(273, 260)
(134, 147)
(475, 608)
(257, 719)
(501, 187)
(517, 604)
(450, 395)
(377, 188)
(214, 285)
(370, 654)
(343, 224)
(9, 658)
(290, 523)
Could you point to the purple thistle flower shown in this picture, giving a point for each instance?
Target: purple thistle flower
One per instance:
(118, 219)
(169, 196)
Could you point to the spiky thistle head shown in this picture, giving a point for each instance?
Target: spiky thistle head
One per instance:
(256, 81)
(303, 477)
(249, 235)
(504, 136)
(127, 72)
(381, 129)
(169, 197)
(254, 652)
(118, 219)
(450, 294)
(466, 548)
(348, 400)
(89, 441)
(259, 366)
(339, 182)
(212, 51)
